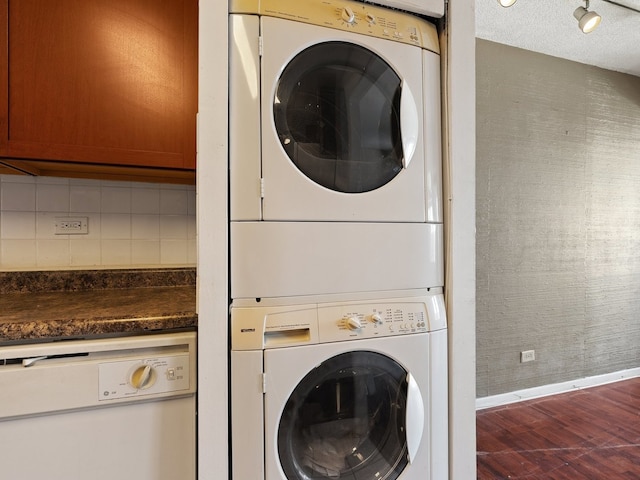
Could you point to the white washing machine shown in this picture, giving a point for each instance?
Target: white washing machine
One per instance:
(343, 389)
(334, 120)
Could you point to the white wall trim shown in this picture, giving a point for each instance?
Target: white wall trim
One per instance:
(459, 46)
(212, 241)
(555, 388)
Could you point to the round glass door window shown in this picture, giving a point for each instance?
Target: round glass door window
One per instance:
(346, 419)
(337, 115)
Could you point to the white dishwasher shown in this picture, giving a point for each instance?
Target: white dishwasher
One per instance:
(118, 409)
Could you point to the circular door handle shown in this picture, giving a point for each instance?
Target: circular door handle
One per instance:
(414, 418)
(409, 124)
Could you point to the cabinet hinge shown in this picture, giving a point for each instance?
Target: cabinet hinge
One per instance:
(262, 188)
(260, 45)
(264, 383)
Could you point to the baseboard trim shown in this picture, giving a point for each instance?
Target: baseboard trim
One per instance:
(545, 390)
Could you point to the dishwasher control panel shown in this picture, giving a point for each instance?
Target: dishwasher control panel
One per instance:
(143, 376)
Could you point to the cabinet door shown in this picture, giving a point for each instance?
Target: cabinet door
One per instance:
(100, 81)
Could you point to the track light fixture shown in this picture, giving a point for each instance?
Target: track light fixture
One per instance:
(587, 21)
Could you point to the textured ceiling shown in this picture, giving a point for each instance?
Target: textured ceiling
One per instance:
(549, 27)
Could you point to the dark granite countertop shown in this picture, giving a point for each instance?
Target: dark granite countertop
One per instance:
(41, 306)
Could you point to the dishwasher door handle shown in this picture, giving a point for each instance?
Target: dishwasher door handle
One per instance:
(29, 362)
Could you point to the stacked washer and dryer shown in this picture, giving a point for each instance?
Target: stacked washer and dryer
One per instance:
(338, 326)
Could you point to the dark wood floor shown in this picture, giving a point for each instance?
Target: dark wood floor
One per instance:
(589, 434)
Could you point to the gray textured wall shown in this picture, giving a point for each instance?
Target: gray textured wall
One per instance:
(558, 219)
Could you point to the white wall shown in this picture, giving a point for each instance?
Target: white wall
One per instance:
(460, 230)
(213, 279)
(130, 224)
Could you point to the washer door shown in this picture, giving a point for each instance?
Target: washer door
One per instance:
(347, 419)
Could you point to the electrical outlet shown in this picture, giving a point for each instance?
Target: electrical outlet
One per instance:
(71, 225)
(527, 356)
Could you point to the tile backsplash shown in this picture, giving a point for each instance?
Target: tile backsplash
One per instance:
(130, 224)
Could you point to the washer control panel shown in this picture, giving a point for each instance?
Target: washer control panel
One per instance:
(143, 376)
(348, 322)
(276, 325)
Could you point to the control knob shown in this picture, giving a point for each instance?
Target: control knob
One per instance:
(353, 323)
(376, 318)
(348, 16)
(142, 377)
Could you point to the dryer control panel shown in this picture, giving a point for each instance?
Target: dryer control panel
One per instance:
(348, 15)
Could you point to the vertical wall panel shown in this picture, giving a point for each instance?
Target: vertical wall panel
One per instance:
(612, 323)
(558, 219)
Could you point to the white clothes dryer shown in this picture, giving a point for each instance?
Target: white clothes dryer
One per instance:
(334, 150)
(344, 389)
(334, 113)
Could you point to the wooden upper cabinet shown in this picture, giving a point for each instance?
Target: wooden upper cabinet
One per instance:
(110, 82)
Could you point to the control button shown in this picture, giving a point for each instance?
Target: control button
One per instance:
(171, 374)
(353, 323)
(376, 318)
(348, 16)
(371, 19)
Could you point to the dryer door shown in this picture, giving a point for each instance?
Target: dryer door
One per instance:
(337, 115)
(342, 126)
(347, 418)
